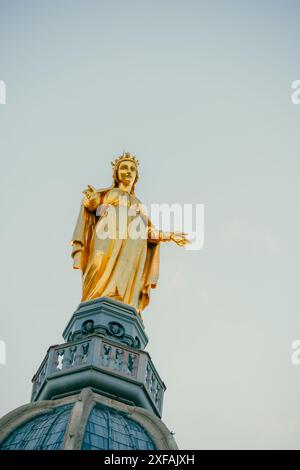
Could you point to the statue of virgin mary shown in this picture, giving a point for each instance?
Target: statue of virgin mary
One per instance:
(113, 262)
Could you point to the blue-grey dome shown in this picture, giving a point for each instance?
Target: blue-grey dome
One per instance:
(106, 429)
(112, 430)
(43, 432)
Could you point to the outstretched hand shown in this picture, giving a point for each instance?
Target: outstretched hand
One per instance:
(180, 238)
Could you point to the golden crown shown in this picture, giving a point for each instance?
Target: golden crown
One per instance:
(125, 156)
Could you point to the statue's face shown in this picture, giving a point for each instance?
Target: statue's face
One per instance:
(127, 172)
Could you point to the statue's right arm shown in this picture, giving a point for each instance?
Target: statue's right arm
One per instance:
(92, 203)
(77, 254)
(85, 220)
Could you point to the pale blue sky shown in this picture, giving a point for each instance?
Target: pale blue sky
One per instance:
(200, 92)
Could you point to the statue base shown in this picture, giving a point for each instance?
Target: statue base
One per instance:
(104, 351)
(110, 318)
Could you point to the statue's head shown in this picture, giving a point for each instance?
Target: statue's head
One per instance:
(126, 170)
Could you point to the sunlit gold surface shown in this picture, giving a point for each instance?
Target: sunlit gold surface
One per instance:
(124, 269)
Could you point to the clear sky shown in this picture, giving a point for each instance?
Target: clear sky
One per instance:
(200, 92)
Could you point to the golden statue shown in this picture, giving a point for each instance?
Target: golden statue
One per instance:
(121, 267)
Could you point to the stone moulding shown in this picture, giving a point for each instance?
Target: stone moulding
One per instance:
(109, 318)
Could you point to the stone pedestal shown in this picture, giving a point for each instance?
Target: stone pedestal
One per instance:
(104, 350)
(110, 318)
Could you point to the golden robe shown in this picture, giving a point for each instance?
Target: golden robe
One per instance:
(122, 268)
